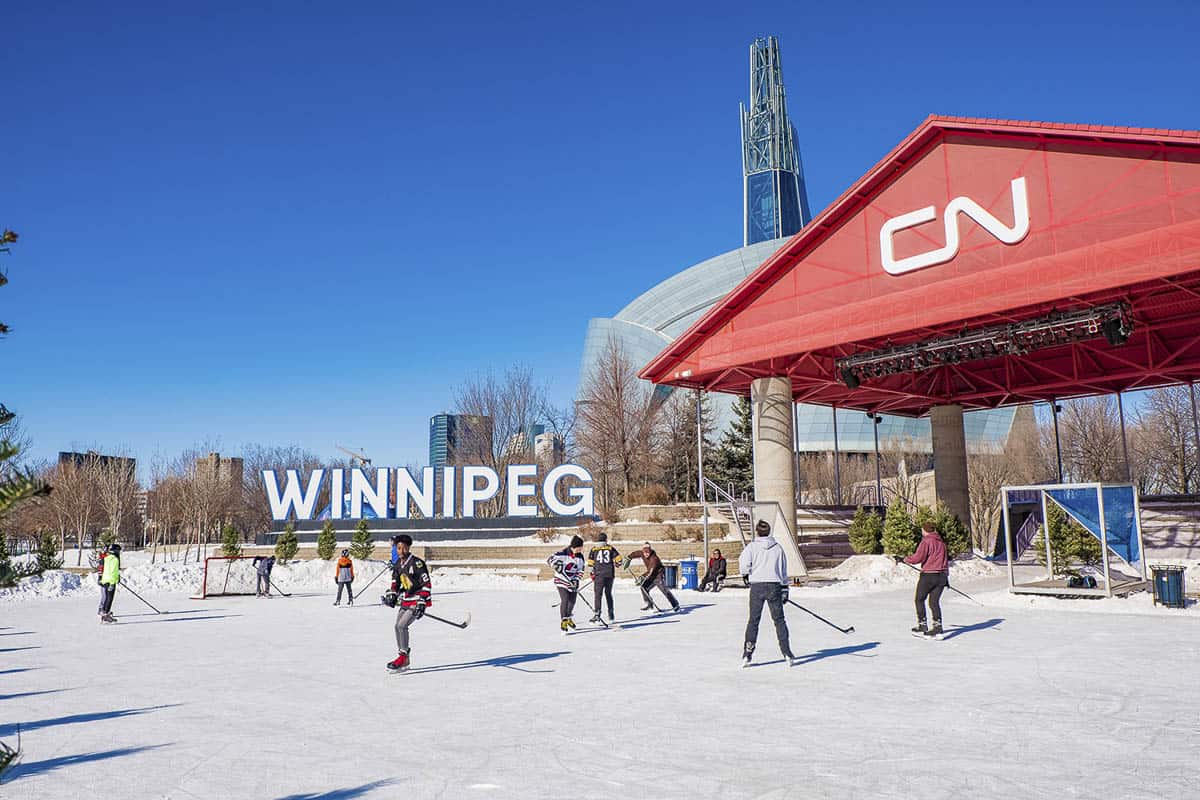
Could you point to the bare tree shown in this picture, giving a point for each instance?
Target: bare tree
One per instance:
(1091, 440)
(116, 487)
(75, 500)
(1163, 443)
(253, 506)
(819, 479)
(618, 417)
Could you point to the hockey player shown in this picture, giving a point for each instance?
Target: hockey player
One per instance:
(935, 577)
(109, 579)
(263, 567)
(568, 569)
(344, 576)
(715, 575)
(763, 565)
(412, 592)
(603, 560)
(655, 577)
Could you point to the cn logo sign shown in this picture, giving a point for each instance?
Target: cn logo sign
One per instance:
(959, 205)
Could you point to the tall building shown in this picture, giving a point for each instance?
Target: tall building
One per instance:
(220, 469)
(549, 450)
(774, 197)
(92, 457)
(458, 438)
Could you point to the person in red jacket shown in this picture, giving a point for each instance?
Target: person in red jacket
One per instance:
(935, 577)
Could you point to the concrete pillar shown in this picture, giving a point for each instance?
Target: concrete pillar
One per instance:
(774, 458)
(950, 460)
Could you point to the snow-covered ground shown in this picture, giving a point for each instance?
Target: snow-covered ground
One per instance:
(288, 698)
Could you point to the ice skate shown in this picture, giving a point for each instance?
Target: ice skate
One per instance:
(563, 627)
(935, 632)
(400, 664)
(919, 630)
(570, 623)
(595, 618)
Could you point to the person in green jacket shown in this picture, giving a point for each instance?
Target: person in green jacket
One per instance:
(109, 579)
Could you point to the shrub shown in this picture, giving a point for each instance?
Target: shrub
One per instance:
(547, 535)
(361, 545)
(654, 517)
(687, 512)
(899, 534)
(954, 533)
(654, 494)
(47, 554)
(694, 533)
(588, 531)
(231, 542)
(106, 539)
(8, 576)
(287, 544)
(611, 514)
(326, 541)
(671, 534)
(866, 532)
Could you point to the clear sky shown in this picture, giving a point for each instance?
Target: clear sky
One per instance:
(305, 223)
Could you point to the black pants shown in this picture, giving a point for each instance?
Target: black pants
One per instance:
(713, 579)
(110, 591)
(931, 585)
(772, 595)
(349, 592)
(661, 584)
(603, 589)
(566, 602)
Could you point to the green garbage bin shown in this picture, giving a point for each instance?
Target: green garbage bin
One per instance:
(1168, 585)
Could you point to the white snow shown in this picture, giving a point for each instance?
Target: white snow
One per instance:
(288, 698)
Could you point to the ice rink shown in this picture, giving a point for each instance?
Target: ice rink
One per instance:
(288, 698)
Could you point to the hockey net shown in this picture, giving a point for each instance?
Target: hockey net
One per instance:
(226, 575)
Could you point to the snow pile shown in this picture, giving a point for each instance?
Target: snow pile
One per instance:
(53, 583)
(882, 573)
(1136, 603)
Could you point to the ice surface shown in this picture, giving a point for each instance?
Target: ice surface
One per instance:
(237, 697)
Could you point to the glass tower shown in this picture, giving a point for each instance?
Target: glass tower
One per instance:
(774, 198)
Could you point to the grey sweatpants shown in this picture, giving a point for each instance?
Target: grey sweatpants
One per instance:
(771, 594)
(404, 618)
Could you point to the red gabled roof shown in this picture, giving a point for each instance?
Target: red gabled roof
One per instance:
(663, 368)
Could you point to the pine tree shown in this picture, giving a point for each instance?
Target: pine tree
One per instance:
(361, 545)
(1070, 542)
(326, 541)
(7, 576)
(899, 534)
(733, 462)
(866, 530)
(287, 544)
(47, 554)
(16, 484)
(954, 532)
(231, 542)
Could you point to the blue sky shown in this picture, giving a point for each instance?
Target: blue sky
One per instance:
(307, 222)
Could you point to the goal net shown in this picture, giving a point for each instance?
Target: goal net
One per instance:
(225, 575)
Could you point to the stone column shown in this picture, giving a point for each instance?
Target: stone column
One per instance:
(950, 460)
(774, 459)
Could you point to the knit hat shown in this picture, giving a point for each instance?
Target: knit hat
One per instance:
(576, 542)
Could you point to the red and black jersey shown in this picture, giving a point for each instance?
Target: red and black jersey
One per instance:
(410, 580)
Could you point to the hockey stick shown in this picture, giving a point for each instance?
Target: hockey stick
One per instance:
(462, 624)
(271, 584)
(948, 586)
(377, 577)
(144, 600)
(818, 616)
(640, 580)
(595, 613)
(580, 589)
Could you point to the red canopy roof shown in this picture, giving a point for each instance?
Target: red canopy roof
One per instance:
(1113, 213)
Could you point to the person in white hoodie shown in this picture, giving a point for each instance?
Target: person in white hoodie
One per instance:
(764, 569)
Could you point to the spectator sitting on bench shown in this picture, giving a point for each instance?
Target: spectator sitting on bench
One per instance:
(715, 574)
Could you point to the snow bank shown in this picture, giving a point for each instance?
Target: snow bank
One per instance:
(882, 573)
(55, 583)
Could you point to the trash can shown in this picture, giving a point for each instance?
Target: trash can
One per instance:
(689, 573)
(671, 575)
(1168, 585)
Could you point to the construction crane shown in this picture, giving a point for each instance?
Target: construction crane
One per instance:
(362, 459)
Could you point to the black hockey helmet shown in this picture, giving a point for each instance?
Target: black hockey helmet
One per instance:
(115, 548)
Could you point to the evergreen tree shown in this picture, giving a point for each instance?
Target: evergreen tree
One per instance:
(1070, 543)
(7, 575)
(733, 462)
(107, 538)
(287, 544)
(16, 484)
(899, 534)
(954, 532)
(326, 541)
(47, 554)
(361, 545)
(866, 530)
(231, 542)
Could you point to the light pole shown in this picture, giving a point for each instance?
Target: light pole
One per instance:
(700, 470)
(1054, 409)
(878, 478)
